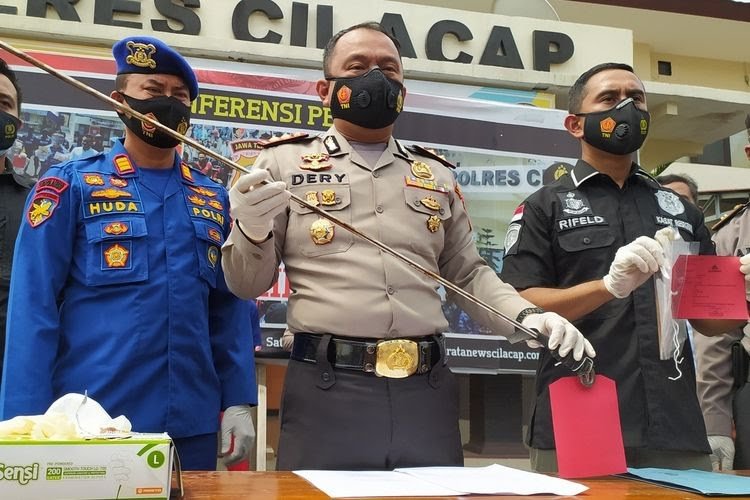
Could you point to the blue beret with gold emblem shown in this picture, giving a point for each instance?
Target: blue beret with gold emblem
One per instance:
(148, 55)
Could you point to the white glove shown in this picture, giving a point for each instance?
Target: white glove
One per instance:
(561, 333)
(745, 269)
(722, 452)
(254, 205)
(633, 266)
(237, 434)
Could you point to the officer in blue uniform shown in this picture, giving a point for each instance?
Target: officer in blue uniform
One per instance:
(118, 289)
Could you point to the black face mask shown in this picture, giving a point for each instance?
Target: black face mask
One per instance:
(371, 100)
(619, 130)
(9, 125)
(167, 110)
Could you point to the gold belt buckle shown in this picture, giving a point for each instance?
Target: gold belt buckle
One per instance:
(396, 358)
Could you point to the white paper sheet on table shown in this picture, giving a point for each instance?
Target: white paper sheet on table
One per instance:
(438, 481)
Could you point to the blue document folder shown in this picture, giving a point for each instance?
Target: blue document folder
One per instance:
(696, 481)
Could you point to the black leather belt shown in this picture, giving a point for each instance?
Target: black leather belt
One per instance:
(395, 358)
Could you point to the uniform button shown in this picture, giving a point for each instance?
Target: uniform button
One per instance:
(326, 377)
(586, 240)
(376, 174)
(369, 367)
(417, 203)
(379, 209)
(370, 349)
(442, 211)
(391, 290)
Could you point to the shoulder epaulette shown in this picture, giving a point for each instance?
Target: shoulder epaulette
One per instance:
(729, 216)
(429, 153)
(285, 139)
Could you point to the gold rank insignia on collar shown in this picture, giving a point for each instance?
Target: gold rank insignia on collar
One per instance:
(123, 166)
(315, 162)
(140, 55)
(321, 231)
(433, 223)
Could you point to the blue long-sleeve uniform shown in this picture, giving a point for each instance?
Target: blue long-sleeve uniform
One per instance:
(117, 289)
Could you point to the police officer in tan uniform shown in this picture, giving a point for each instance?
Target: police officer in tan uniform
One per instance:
(715, 377)
(367, 387)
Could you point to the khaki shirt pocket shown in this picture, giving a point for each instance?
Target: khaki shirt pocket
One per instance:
(312, 234)
(430, 210)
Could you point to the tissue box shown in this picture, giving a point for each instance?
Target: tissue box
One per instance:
(136, 467)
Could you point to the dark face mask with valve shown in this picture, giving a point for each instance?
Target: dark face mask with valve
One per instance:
(167, 110)
(619, 130)
(371, 100)
(9, 125)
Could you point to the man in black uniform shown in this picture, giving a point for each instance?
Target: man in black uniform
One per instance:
(584, 247)
(13, 187)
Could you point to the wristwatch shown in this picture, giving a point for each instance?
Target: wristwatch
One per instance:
(527, 312)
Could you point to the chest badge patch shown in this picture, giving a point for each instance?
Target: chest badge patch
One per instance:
(93, 179)
(433, 223)
(321, 231)
(422, 170)
(430, 202)
(670, 202)
(312, 198)
(315, 162)
(110, 194)
(116, 256)
(117, 182)
(574, 206)
(328, 197)
(213, 255)
(116, 228)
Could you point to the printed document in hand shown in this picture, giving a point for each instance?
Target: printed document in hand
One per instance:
(438, 481)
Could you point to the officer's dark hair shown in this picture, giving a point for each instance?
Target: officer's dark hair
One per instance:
(370, 25)
(685, 179)
(10, 75)
(578, 90)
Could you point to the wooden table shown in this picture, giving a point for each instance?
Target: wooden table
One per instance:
(288, 486)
